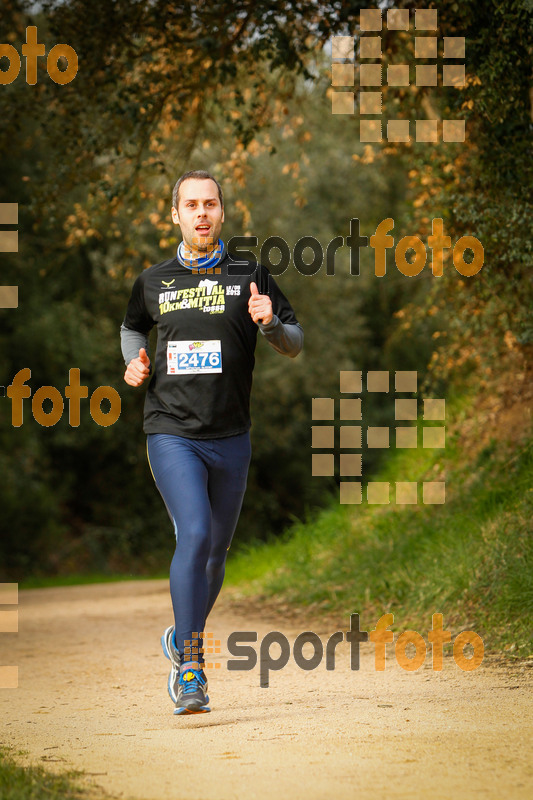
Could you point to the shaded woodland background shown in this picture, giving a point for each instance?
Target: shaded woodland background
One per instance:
(242, 89)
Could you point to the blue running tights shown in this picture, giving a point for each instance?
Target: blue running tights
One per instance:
(202, 482)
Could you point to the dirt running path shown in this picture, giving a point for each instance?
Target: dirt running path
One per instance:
(92, 696)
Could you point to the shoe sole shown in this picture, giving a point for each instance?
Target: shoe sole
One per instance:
(181, 709)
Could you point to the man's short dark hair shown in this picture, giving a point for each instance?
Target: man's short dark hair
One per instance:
(199, 174)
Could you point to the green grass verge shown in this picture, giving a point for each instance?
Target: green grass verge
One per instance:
(85, 579)
(36, 783)
(470, 559)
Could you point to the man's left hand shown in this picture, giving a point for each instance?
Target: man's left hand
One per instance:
(259, 305)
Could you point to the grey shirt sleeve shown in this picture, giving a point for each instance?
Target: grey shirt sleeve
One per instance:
(286, 338)
(131, 342)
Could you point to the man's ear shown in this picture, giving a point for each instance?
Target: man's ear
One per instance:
(175, 216)
(222, 218)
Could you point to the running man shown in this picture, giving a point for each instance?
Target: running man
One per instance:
(208, 308)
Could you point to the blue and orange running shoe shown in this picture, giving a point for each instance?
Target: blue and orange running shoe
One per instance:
(192, 692)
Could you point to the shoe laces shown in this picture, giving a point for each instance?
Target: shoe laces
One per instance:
(191, 681)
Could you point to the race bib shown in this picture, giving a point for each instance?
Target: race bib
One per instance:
(187, 358)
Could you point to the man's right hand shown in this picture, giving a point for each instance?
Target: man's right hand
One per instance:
(138, 369)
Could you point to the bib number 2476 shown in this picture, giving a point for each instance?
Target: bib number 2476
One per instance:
(192, 357)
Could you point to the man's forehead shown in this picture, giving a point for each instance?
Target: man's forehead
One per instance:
(198, 189)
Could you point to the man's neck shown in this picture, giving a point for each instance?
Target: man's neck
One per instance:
(194, 259)
(191, 253)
